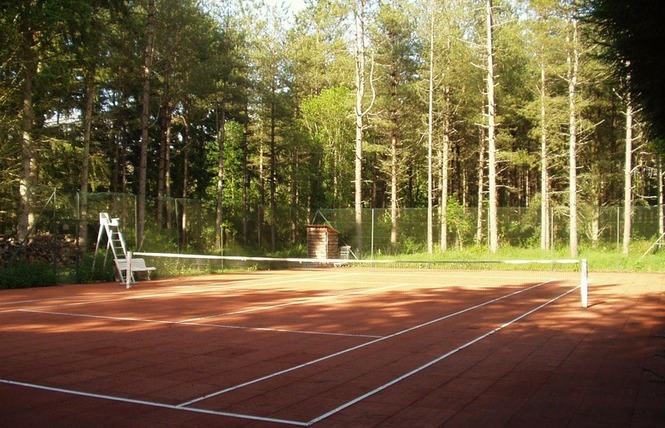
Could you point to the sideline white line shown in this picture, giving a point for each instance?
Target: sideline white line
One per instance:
(354, 348)
(327, 414)
(190, 323)
(152, 403)
(434, 361)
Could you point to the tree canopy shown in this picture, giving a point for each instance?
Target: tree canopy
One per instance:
(264, 116)
(629, 32)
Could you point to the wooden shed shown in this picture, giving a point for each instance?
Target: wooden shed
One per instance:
(322, 242)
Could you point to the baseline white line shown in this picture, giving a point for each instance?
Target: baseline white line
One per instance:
(189, 323)
(354, 348)
(434, 361)
(151, 403)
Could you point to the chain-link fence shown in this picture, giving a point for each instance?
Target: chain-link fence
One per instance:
(518, 227)
(63, 241)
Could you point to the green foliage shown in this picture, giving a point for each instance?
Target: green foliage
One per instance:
(599, 260)
(458, 221)
(521, 227)
(286, 96)
(26, 275)
(633, 46)
(326, 118)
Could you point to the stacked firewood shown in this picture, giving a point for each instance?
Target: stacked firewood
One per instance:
(45, 248)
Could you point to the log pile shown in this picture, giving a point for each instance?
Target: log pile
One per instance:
(42, 248)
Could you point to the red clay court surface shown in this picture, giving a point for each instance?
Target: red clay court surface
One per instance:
(336, 348)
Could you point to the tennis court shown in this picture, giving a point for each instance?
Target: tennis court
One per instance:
(338, 346)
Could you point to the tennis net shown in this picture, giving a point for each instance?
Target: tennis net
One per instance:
(572, 271)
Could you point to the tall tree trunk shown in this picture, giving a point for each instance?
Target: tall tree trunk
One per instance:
(295, 194)
(491, 141)
(85, 161)
(430, 132)
(544, 173)
(164, 141)
(220, 123)
(262, 196)
(120, 149)
(26, 180)
(627, 175)
(359, 15)
(182, 223)
(124, 150)
(273, 172)
(245, 180)
(394, 143)
(573, 64)
(481, 187)
(661, 197)
(145, 122)
(595, 219)
(336, 172)
(445, 153)
(444, 160)
(167, 171)
(393, 189)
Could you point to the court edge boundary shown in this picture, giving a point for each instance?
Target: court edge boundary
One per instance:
(363, 345)
(436, 360)
(319, 418)
(151, 403)
(187, 405)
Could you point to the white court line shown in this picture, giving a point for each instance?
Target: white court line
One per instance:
(298, 302)
(194, 321)
(19, 302)
(436, 360)
(152, 403)
(230, 285)
(355, 348)
(191, 323)
(187, 405)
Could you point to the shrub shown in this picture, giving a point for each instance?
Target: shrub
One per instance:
(25, 275)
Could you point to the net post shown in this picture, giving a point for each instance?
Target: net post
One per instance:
(128, 273)
(584, 282)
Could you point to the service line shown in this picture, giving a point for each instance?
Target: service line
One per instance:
(355, 348)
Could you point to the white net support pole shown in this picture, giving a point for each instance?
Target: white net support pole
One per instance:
(128, 273)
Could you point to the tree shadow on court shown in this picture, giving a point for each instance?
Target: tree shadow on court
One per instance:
(296, 349)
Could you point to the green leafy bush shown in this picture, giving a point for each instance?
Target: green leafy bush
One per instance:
(25, 275)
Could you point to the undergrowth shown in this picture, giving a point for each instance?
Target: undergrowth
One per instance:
(642, 258)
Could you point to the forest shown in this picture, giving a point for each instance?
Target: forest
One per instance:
(264, 116)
